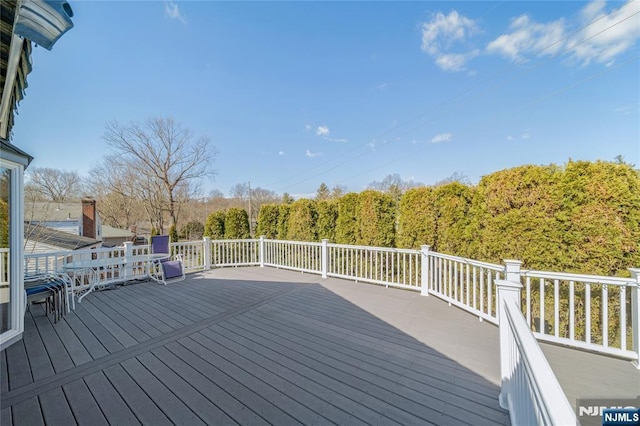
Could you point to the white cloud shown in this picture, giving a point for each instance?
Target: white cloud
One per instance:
(322, 130)
(439, 34)
(526, 135)
(443, 137)
(172, 11)
(528, 38)
(603, 37)
(455, 61)
(280, 152)
(335, 140)
(509, 138)
(307, 127)
(313, 154)
(610, 35)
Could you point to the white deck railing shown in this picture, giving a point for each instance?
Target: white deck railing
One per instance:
(571, 305)
(576, 310)
(192, 254)
(466, 283)
(529, 389)
(386, 266)
(233, 253)
(294, 255)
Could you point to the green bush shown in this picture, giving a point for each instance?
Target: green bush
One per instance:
(347, 222)
(283, 220)
(516, 210)
(417, 219)
(173, 233)
(303, 217)
(376, 219)
(599, 218)
(236, 224)
(453, 203)
(268, 221)
(214, 228)
(327, 218)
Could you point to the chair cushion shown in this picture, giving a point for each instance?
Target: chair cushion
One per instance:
(172, 269)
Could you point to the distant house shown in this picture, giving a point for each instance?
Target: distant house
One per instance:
(41, 239)
(112, 237)
(74, 218)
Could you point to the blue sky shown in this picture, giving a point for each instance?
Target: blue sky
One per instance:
(293, 94)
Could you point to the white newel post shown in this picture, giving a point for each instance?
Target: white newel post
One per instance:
(207, 253)
(261, 251)
(635, 312)
(324, 257)
(128, 255)
(424, 291)
(508, 289)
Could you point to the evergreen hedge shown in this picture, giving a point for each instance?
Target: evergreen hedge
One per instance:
(268, 221)
(376, 219)
(303, 217)
(236, 224)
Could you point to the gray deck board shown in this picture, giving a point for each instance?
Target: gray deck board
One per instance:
(414, 379)
(151, 325)
(55, 409)
(5, 416)
(85, 409)
(238, 389)
(210, 389)
(4, 373)
(27, 413)
(144, 409)
(109, 400)
(18, 365)
(257, 346)
(56, 350)
(90, 341)
(39, 361)
(175, 409)
(205, 409)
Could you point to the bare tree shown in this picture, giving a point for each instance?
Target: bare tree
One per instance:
(113, 185)
(394, 185)
(455, 177)
(53, 184)
(166, 160)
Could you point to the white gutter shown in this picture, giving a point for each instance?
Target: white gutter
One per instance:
(15, 51)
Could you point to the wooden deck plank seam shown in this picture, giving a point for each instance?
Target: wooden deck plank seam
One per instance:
(232, 385)
(262, 360)
(424, 378)
(384, 384)
(333, 331)
(34, 388)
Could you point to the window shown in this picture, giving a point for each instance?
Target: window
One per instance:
(11, 257)
(5, 235)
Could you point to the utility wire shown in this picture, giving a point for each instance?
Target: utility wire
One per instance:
(457, 96)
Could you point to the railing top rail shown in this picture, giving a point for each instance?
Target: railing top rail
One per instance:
(246, 240)
(389, 249)
(555, 406)
(592, 279)
(304, 243)
(486, 265)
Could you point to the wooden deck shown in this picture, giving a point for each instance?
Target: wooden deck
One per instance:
(256, 346)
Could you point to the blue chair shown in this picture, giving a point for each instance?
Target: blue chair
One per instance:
(166, 268)
(50, 288)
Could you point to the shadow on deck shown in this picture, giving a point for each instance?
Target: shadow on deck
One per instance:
(254, 346)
